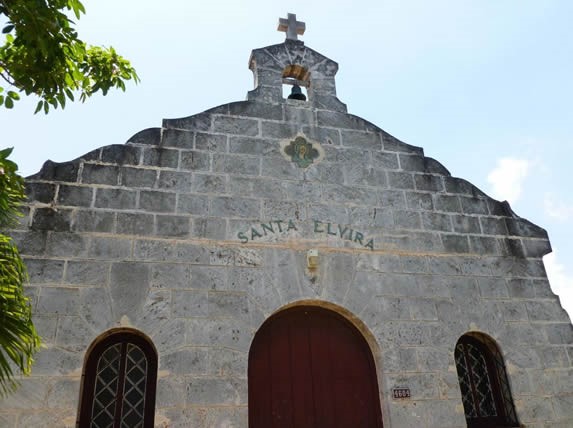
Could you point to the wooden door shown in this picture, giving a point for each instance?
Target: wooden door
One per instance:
(310, 368)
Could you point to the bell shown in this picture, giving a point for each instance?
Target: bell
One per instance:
(296, 94)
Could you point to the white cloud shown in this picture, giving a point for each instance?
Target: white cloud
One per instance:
(557, 209)
(507, 178)
(560, 280)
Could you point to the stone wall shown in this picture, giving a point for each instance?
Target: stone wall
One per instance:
(157, 234)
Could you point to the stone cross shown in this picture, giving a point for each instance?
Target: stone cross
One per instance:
(291, 27)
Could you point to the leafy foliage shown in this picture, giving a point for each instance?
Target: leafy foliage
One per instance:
(43, 55)
(18, 337)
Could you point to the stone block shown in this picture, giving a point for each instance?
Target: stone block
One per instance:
(448, 203)
(210, 227)
(208, 277)
(353, 194)
(208, 183)
(365, 176)
(412, 162)
(437, 221)
(108, 248)
(79, 196)
(63, 172)
(211, 391)
(93, 221)
(392, 199)
(129, 287)
(46, 326)
(44, 271)
(455, 244)
(95, 308)
(427, 182)
(493, 288)
(407, 219)
(195, 160)
(400, 180)
(87, 272)
(170, 275)
(190, 303)
(279, 168)
(235, 126)
(73, 333)
(483, 245)
(236, 164)
(210, 142)
(52, 361)
(161, 157)
(419, 201)
(29, 242)
(174, 181)
(547, 311)
(119, 199)
(252, 146)
(192, 204)
(40, 192)
(138, 177)
(177, 138)
(279, 129)
(58, 300)
(157, 201)
(134, 224)
(235, 207)
(191, 253)
(66, 244)
(149, 136)
(57, 220)
(154, 250)
(173, 226)
(186, 361)
(363, 140)
(225, 304)
(257, 110)
(474, 205)
(392, 144)
(100, 174)
(423, 309)
(120, 154)
(493, 226)
(63, 393)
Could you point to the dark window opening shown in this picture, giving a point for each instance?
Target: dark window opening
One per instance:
(119, 383)
(486, 394)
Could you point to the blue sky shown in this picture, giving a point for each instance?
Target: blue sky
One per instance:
(484, 86)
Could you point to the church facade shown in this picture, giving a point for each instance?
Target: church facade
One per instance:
(282, 263)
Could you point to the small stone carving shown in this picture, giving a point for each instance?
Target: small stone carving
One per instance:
(301, 152)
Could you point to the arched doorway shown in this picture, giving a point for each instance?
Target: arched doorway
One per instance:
(310, 368)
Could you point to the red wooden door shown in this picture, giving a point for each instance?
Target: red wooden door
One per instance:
(310, 368)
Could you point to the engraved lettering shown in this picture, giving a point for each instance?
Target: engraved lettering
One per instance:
(291, 225)
(244, 239)
(370, 244)
(316, 224)
(342, 231)
(255, 234)
(358, 238)
(268, 227)
(329, 230)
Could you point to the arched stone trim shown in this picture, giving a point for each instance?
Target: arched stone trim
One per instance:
(123, 360)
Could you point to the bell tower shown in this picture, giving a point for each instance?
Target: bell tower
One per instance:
(292, 63)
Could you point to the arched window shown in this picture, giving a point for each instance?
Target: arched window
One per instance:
(483, 382)
(118, 389)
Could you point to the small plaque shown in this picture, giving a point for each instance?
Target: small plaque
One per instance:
(401, 393)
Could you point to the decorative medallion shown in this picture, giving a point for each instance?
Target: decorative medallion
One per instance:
(301, 152)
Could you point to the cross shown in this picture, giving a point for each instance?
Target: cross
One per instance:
(291, 27)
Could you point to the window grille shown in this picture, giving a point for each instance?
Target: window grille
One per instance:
(119, 383)
(486, 394)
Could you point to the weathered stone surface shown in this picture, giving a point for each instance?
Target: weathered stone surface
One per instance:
(174, 236)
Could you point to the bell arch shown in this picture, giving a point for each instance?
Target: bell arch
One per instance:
(311, 367)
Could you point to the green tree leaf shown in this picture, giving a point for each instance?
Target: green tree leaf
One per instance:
(18, 337)
(43, 56)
